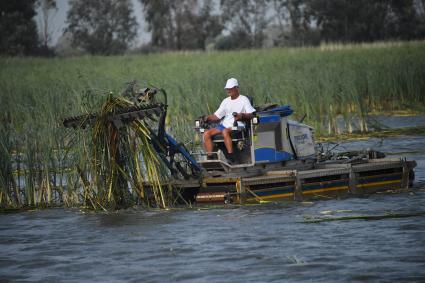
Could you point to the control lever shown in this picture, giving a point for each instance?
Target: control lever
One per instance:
(235, 123)
(201, 123)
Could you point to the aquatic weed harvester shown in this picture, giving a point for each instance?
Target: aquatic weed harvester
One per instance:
(276, 159)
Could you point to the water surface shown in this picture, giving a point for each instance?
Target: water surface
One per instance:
(262, 243)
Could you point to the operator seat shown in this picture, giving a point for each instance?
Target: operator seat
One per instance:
(237, 135)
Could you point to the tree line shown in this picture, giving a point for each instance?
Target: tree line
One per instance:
(109, 27)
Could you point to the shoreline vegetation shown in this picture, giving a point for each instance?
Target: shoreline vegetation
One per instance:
(328, 84)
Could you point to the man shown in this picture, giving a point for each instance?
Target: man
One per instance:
(235, 103)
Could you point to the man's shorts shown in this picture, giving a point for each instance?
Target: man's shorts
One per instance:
(220, 127)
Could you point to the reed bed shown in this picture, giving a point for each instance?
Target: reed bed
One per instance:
(39, 158)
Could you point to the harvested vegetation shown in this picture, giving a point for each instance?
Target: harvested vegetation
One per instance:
(39, 166)
(119, 161)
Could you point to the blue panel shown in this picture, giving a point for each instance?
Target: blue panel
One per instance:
(283, 155)
(284, 110)
(269, 118)
(270, 154)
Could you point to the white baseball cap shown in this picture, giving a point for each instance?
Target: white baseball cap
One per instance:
(231, 83)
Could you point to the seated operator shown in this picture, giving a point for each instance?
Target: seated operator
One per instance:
(235, 103)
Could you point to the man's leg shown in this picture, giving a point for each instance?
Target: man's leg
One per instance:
(208, 144)
(227, 135)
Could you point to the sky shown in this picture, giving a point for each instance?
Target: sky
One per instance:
(58, 18)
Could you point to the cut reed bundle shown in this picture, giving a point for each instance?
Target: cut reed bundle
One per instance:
(124, 168)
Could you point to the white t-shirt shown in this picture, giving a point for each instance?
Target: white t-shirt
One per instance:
(228, 106)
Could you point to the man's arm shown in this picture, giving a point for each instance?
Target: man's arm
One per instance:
(244, 116)
(248, 112)
(211, 118)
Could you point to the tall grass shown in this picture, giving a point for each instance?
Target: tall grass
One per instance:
(325, 83)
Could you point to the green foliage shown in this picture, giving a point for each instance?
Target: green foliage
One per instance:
(295, 14)
(18, 31)
(248, 21)
(365, 20)
(101, 26)
(178, 25)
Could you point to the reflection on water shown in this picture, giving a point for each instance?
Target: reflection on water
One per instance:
(381, 122)
(244, 244)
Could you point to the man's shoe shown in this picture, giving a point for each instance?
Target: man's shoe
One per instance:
(210, 157)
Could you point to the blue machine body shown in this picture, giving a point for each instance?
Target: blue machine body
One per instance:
(274, 136)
